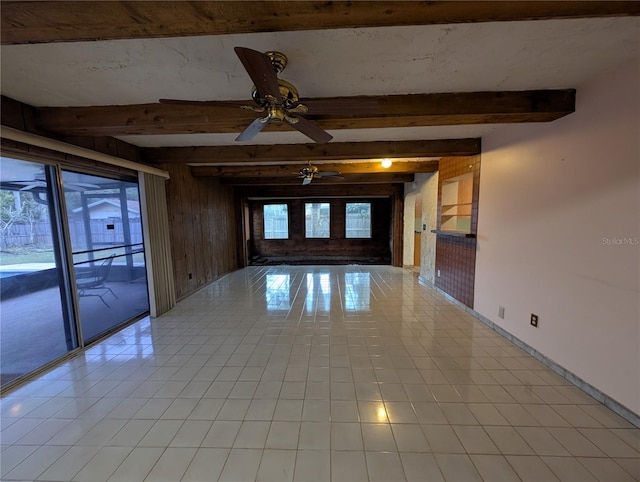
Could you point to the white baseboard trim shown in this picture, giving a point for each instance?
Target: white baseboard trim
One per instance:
(601, 397)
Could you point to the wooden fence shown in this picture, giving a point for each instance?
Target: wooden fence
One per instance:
(39, 235)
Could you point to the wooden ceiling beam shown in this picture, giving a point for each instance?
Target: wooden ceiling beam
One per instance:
(25, 22)
(317, 190)
(292, 179)
(333, 151)
(287, 170)
(389, 111)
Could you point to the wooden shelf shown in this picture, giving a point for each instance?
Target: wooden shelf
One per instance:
(458, 234)
(445, 206)
(456, 208)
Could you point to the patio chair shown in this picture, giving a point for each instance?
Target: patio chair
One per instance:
(90, 281)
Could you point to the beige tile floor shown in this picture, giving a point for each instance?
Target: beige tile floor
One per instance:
(311, 373)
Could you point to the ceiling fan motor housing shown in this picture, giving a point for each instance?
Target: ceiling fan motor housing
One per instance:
(309, 171)
(288, 92)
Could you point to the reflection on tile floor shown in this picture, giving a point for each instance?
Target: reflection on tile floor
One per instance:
(311, 373)
(32, 328)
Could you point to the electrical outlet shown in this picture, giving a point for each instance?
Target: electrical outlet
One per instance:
(534, 320)
(190, 275)
(501, 312)
(438, 273)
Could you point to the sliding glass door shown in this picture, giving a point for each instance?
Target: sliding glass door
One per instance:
(36, 319)
(72, 264)
(105, 232)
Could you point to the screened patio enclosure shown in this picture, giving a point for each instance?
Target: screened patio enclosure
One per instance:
(71, 259)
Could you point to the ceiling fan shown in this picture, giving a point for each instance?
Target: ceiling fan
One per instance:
(311, 172)
(279, 99)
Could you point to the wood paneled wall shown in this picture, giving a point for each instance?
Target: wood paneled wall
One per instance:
(203, 218)
(337, 248)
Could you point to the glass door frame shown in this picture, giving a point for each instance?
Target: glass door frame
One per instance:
(62, 253)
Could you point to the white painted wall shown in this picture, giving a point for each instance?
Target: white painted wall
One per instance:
(408, 228)
(554, 198)
(429, 190)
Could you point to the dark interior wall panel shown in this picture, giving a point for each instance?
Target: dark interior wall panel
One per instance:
(203, 229)
(456, 263)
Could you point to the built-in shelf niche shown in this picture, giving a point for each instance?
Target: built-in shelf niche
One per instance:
(456, 199)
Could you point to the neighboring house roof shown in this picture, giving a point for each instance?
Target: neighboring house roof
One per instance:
(114, 204)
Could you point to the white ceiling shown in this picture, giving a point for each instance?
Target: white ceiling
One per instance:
(490, 56)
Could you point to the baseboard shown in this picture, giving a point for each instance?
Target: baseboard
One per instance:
(601, 397)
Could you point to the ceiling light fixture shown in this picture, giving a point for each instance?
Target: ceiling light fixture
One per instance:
(386, 163)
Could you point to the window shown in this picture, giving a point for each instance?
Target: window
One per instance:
(317, 218)
(358, 220)
(276, 221)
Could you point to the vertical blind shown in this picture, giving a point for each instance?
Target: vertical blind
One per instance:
(162, 293)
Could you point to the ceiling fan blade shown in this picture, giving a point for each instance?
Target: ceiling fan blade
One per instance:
(307, 180)
(342, 106)
(216, 103)
(261, 71)
(310, 130)
(253, 129)
(328, 173)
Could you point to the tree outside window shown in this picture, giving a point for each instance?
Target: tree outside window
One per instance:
(317, 220)
(358, 220)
